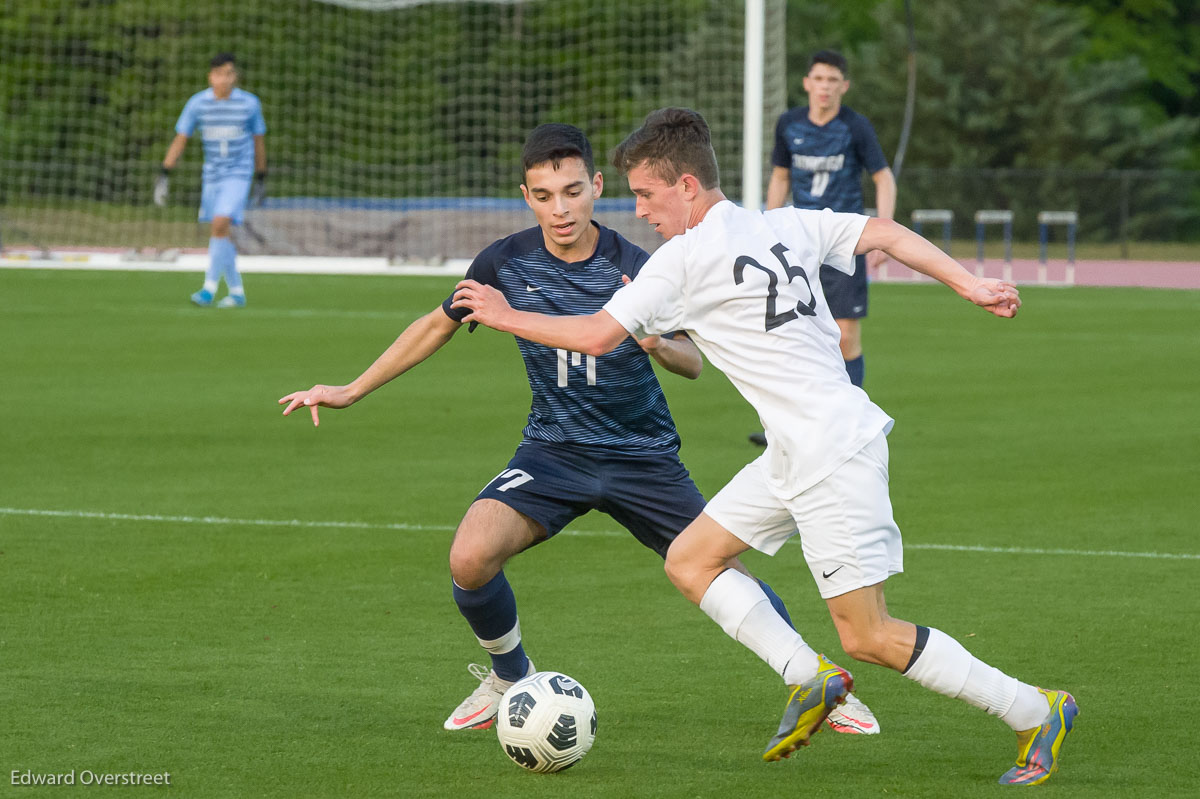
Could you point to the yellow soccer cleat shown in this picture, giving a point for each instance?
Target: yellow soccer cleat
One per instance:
(1037, 749)
(807, 707)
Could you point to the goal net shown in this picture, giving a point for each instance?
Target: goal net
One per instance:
(394, 126)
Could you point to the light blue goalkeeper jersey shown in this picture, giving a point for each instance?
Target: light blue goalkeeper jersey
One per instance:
(227, 128)
(612, 400)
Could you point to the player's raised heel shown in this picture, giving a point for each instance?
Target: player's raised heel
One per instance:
(807, 707)
(203, 298)
(1037, 749)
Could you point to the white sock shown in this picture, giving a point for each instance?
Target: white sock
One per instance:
(1029, 710)
(737, 603)
(946, 667)
(211, 286)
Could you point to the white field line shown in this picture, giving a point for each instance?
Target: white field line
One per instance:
(341, 525)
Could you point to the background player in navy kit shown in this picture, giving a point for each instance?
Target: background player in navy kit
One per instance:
(599, 432)
(232, 128)
(820, 153)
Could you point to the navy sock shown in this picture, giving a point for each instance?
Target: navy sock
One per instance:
(856, 369)
(776, 603)
(491, 610)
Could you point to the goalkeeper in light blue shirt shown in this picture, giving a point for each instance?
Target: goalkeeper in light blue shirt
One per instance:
(235, 159)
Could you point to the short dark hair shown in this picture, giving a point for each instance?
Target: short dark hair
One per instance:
(831, 57)
(671, 142)
(221, 59)
(554, 141)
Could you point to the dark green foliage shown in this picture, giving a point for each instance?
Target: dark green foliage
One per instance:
(1012, 90)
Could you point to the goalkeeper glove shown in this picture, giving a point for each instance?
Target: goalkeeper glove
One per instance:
(258, 191)
(162, 186)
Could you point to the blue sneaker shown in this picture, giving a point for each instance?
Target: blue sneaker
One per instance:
(203, 298)
(807, 707)
(1037, 749)
(232, 301)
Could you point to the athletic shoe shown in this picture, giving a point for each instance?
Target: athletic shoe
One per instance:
(1037, 749)
(232, 301)
(478, 711)
(853, 718)
(758, 439)
(807, 707)
(203, 298)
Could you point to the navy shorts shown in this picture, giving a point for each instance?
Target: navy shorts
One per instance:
(652, 496)
(846, 294)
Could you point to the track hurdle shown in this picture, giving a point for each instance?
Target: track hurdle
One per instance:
(983, 218)
(934, 215)
(1045, 220)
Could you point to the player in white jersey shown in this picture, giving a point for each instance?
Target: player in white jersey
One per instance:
(745, 286)
(600, 435)
(231, 126)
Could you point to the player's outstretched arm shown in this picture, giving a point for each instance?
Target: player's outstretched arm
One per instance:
(418, 341)
(996, 296)
(591, 335)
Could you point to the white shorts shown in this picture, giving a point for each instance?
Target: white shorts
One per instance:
(845, 522)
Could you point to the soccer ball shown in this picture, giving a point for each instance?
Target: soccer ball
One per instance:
(547, 722)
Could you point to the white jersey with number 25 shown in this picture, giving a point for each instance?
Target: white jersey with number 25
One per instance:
(746, 287)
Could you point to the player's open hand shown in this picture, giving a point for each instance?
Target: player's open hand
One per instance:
(486, 303)
(997, 296)
(329, 396)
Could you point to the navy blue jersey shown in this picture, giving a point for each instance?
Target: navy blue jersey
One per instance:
(826, 161)
(613, 400)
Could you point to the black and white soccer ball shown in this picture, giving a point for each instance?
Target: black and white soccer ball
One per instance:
(547, 722)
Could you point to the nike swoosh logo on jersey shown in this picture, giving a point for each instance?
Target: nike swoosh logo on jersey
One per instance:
(465, 719)
(532, 289)
(827, 575)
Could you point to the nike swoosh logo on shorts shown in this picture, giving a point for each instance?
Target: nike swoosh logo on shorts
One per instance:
(827, 575)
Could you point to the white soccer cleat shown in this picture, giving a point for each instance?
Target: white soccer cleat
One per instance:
(853, 718)
(478, 711)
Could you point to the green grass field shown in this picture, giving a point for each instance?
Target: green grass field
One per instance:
(192, 584)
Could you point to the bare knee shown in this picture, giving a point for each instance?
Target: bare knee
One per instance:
(220, 227)
(471, 566)
(487, 537)
(689, 574)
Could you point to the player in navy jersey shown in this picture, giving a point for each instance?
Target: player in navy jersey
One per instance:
(820, 154)
(235, 152)
(599, 434)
